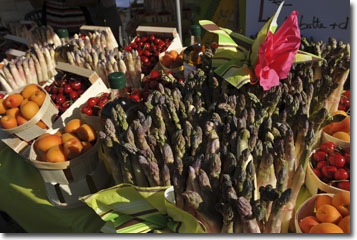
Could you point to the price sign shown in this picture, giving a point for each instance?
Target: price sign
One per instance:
(319, 19)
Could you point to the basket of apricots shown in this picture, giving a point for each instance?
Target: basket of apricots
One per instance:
(338, 132)
(27, 112)
(324, 213)
(171, 61)
(71, 153)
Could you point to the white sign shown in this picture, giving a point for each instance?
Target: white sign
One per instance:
(319, 19)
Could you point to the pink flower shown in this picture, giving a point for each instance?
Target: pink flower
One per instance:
(277, 53)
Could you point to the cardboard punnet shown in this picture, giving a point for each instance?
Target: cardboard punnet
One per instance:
(88, 28)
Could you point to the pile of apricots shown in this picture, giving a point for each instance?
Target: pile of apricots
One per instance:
(18, 108)
(76, 139)
(332, 215)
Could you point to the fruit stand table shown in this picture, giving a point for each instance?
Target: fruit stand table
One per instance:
(23, 197)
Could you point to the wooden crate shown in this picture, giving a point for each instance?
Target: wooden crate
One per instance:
(17, 39)
(97, 87)
(14, 53)
(88, 28)
(161, 32)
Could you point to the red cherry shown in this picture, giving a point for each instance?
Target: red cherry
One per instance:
(144, 59)
(55, 90)
(147, 46)
(87, 110)
(92, 101)
(47, 88)
(80, 92)
(155, 74)
(76, 85)
(140, 52)
(328, 171)
(102, 103)
(337, 160)
(319, 156)
(147, 53)
(133, 45)
(321, 164)
(144, 39)
(152, 38)
(60, 90)
(328, 147)
(157, 41)
(347, 157)
(135, 97)
(74, 95)
(181, 80)
(345, 185)
(137, 39)
(53, 97)
(341, 174)
(60, 99)
(317, 172)
(157, 53)
(128, 48)
(105, 95)
(68, 88)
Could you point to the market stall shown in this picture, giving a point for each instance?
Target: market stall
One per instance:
(238, 136)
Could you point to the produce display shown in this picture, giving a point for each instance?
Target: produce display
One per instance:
(331, 164)
(76, 139)
(66, 89)
(18, 108)
(332, 215)
(237, 137)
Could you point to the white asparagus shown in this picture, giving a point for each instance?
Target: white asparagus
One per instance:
(20, 70)
(42, 61)
(102, 74)
(15, 73)
(70, 58)
(48, 58)
(10, 79)
(122, 66)
(95, 60)
(33, 71)
(88, 66)
(138, 70)
(49, 36)
(26, 68)
(5, 85)
(116, 67)
(78, 60)
(53, 55)
(131, 70)
(38, 69)
(109, 68)
(80, 43)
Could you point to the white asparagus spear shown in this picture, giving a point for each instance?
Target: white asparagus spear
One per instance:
(26, 68)
(131, 69)
(88, 66)
(116, 67)
(5, 85)
(102, 74)
(20, 70)
(87, 44)
(109, 68)
(138, 70)
(122, 66)
(15, 73)
(33, 70)
(95, 60)
(80, 43)
(10, 79)
(76, 36)
(42, 61)
(79, 60)
(53, 56)
(48, 58)
(70, 58)
(38, 69)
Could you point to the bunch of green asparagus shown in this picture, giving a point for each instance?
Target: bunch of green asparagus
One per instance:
(236, 157)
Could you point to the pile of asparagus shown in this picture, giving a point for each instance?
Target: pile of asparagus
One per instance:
(41, 35)
(236, 158)
(37, 66)
(107, 61)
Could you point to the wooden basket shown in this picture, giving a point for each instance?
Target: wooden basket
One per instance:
(173, 70)
(29, 130)
(306, 209)
(314, 184)
(67, 181)
(325, 137)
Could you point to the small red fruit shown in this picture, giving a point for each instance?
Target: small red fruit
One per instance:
(53, 97)
(144, 59)
(345, 185)
(319, 156)
(328, 171)
(337, 160)
(328, 147)
(152, 38)
(137, 39)
(76, 85)
(157, 41)
(341, 174)
(317, 172)
(92, 101)
(321, 164)
(60, 99)
(128, 48)
(68, 88)
(147, 53)
(74, 95)
(87, 110)
(347, 157)
(154, 75)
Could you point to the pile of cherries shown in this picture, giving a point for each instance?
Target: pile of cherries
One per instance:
(344, 103)
(148, 49)
(65, 90)
(95, 104)
(331, 164)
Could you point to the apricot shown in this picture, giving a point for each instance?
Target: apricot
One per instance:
(86, 133)
(68, 136)
(41, 124)
(342, 126)
(86, 146)
(326, 228)
(72, 148)
(20, 119)
(328, 213)
(13, 100)
(8, 122)
(342, 136)
(13, 112)
(29, 90)
(307, 223)
(29, 110)
(341, 201)
(72, 126)
(38, 97)
(2, 106)
(56, 154)
(44, 143)
(59, 133)
(26, 100)
(345, 224)
(322, 200)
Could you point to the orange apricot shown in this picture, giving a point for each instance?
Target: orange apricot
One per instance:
(13, 100)
(41, 124)
(29, 110)
(322, 200)
(43, 144)
(86, 133)
(86, 146)
(307, 223)
(13, 112)
(328, 213)
(8, 122)
(2, 106)
(56, 154)
(73, 125)
(38, 97)
(29, 90)
(341, 201)
(20, 119)
(326, 228)
(72, 148)
(345, 224)
(67, 136)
